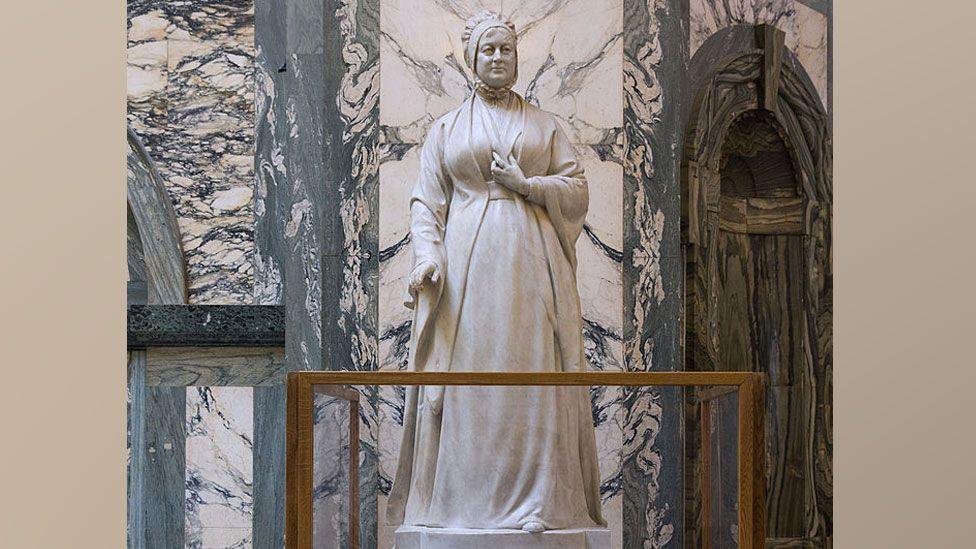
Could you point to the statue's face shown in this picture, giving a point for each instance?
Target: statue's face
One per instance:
(497, 58)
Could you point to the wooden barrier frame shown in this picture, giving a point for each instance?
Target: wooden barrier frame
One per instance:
(301, 387)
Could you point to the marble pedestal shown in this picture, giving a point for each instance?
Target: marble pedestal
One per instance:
(415, 537)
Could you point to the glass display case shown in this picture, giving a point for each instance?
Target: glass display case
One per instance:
(345, 436)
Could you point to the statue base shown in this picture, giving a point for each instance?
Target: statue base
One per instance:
(418, 537)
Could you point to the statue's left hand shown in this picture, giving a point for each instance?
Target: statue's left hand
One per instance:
(508, 173)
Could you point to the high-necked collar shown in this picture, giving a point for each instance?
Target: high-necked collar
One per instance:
(494, 96)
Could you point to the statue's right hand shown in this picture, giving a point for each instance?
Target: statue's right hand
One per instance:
(423, 272)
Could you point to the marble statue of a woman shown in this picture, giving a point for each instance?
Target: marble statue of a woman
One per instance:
(495, 214)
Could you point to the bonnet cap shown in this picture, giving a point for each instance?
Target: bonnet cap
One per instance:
(476, 27)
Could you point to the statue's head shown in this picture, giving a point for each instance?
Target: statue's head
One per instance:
(490, 50)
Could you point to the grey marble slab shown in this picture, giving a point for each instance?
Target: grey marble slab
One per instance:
(135, 446)
(269, 467)
(215, 366)
(304, 233)
(272, 191)
(273, 259)
(165, 467)
(135, 257)
(330, 471)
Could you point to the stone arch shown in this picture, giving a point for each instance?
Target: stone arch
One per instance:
(154, 252)
(769, 253)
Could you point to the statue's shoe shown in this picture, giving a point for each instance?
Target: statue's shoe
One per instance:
(533, 527)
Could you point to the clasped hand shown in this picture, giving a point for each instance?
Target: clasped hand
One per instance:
(509, 174)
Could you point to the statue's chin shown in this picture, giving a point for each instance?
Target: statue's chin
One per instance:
(496, 83)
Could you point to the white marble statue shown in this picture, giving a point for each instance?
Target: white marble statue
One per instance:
(495, 215)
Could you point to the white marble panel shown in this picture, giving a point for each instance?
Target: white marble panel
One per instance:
(146, 71)
(219, 466)
(605, 181)
(394, 275)
(709, 16)
(599, 275)
(222, 538)
(570, 62)
(609, 442)
(397, 178)
(811, 46)
(391, 431)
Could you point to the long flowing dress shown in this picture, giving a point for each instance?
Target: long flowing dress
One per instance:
(497, 457)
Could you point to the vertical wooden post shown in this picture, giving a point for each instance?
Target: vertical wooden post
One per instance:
(747, 538)
(752, 482)
(759, 460)
(291, 460)
(298, 512)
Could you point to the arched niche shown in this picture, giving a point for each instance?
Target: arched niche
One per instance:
(756, 232)
(137, 287)
(157, 271)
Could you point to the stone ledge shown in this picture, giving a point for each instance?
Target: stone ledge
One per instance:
(205, 325)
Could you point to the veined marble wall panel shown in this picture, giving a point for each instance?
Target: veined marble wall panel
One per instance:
(219, 470)
(811, 48)
(570, 57)
(709, 16)
(571, 64)
(191, 99)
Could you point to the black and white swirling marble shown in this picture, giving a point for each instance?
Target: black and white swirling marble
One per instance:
(191, 99)
(651, 456)
(350, 318)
